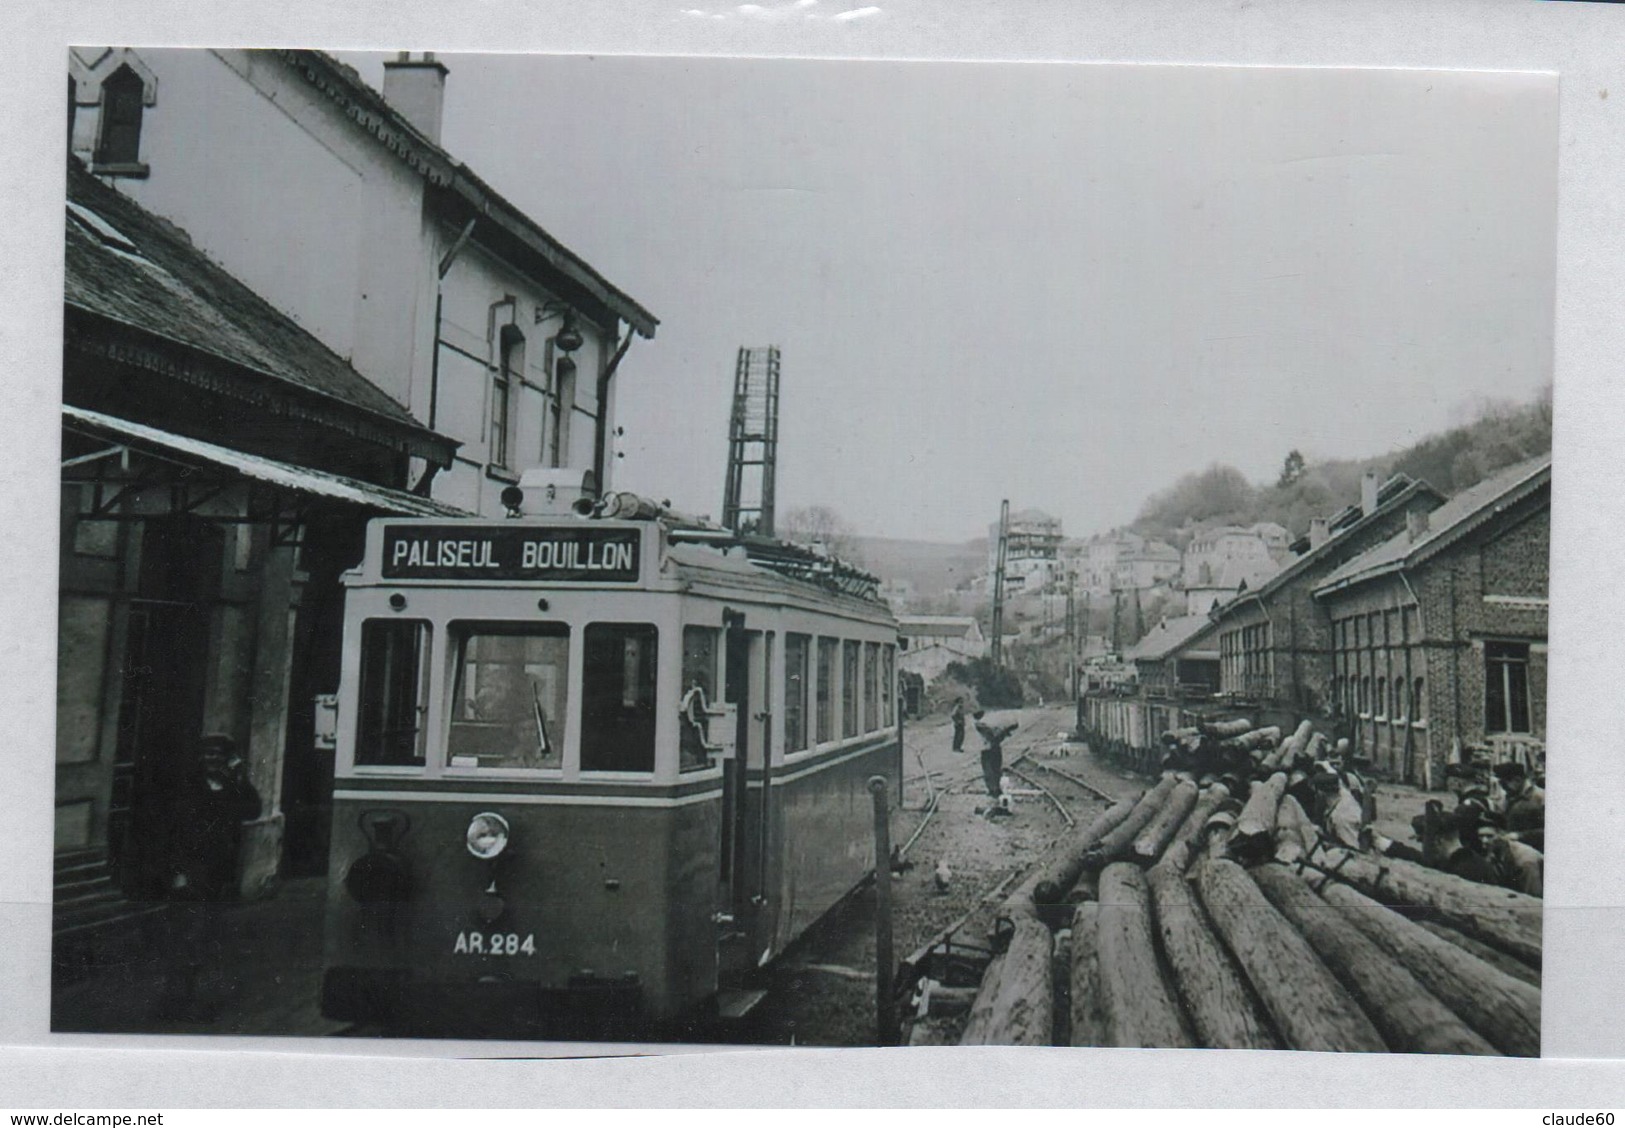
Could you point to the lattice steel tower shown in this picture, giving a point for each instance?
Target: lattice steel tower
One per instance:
(753, 442)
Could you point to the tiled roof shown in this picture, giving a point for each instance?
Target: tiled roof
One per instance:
(1167, 637)
(1458, 515)
(130, 267)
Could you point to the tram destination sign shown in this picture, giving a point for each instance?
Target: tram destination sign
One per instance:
(510, 552)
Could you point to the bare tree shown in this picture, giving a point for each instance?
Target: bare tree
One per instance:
(821, 525)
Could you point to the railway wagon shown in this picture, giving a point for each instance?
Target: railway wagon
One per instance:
(1127, 729)
(594, 765)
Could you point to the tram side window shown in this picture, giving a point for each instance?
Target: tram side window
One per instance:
(826, 689)
(795, 692)
(871, 686)
(888, 685)
(511, 695)
(618, 698)
(849, 688)
(394, 693)
(699, 670)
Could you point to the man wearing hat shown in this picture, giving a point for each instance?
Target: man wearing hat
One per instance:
(1524, 804)
(993, 738)
(206, 818)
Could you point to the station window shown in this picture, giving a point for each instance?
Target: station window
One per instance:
(393, 693)
(119, 145)
(849, 688)
(795, 692)
(1506, 687)
(618, 698)
(826, 689)
(871, 686)
(505, 382)
(510, 698)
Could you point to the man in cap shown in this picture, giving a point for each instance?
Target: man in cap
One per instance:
(993, 738)
(206, 818)
(958, 719)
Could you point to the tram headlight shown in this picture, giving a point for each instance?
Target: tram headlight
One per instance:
(487, 835)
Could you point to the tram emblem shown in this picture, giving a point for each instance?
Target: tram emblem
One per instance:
(508, 552)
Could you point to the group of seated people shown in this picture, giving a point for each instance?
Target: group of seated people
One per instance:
(1494, 835)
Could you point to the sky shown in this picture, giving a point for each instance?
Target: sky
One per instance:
(1061, 284)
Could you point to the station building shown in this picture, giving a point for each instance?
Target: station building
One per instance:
(288, 310)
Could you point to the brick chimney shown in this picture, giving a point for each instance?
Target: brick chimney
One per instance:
(416, 88)
(1368, 493)
(1416, 525)
(1317, 533)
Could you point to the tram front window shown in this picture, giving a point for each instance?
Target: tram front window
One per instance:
(389, 720)
(618, 698)
(511, 693)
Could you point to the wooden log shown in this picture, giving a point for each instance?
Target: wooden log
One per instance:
(1295, 835)
(1088, 1019)
(1505, 1010)
(1140, 1009)
(1508, 965)
(1178, 854)
(1310, 1009)
(1223, 1010)
(1254, 838)
(1252, 740)
(1410, 1018)
(1057, 877)
(1506, 919)
(1149, 843)
(1222, 730)
(1114, 844)
(1015, 1006)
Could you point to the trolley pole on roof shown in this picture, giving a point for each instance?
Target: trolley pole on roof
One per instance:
(753, 443)
(998, 583)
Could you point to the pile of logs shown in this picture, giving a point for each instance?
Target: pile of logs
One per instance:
(1211, 911)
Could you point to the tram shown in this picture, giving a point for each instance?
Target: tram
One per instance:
(594, 764)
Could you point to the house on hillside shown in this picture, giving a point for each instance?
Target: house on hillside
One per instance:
(1275, 643)
(1438, 633)
(929, 643)
(1032, 551)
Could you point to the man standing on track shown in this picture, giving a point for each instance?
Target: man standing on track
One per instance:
(958, 718)
(993, 737)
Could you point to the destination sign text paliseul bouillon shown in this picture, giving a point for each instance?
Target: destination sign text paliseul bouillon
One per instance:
(510, 552)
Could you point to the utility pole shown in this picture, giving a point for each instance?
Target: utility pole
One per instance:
(998, 583)
(1071, 634)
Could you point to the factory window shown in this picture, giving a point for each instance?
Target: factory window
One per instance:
(1397, 710)
(795, 692)
(393, 695)
(118, 148)
(1419, 711)
(1506, 687)
(1365, 697)
(826, 689)
(618, 698)
(849, 688)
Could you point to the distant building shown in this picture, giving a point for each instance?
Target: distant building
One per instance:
(1150, 564)
(1179, 655)
(1032, 552)
(1275, 641)
(1438, 633)
(929, 643)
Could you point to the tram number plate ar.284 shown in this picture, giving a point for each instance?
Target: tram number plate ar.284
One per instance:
(494, 944)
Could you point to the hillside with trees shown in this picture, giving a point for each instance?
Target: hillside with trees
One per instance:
(1498, 435)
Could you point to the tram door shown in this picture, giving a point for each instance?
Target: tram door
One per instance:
(746, 661)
